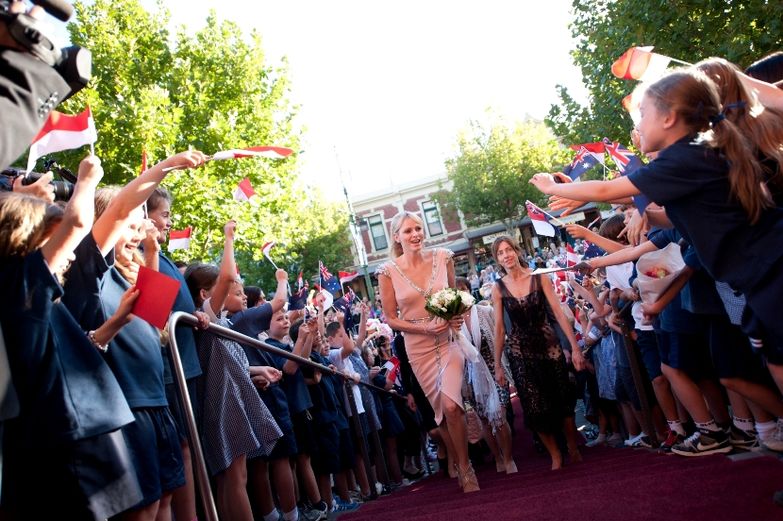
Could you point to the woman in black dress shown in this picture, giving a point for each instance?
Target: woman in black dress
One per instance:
(537, 362)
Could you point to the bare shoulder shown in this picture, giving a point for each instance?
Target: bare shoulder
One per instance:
(384, 270)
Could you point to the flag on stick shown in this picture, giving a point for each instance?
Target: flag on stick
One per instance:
(583, 161)
(627, 162)
(328, 281)
(347, 276)
(239, 153)
(572, 258)
(298, 300)
(640, 63)
(62, 132)
(179, 239)
(540, 219)
(244, 191)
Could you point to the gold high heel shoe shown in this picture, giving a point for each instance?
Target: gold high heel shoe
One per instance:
(469, 480)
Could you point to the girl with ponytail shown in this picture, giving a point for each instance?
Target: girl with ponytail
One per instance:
(711, 183)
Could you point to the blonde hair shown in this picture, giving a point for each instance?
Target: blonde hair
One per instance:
(396, 224)
(26, 221)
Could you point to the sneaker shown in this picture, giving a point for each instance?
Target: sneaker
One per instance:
(641, 440)
(671, 440)
(317, 512)
(339, 506)
(702, 443)
(775, 441)
(599, 440)
(743, 440)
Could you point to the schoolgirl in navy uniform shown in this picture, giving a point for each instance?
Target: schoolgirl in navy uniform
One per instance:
(713, 189)
(104, 263)
(65, 441)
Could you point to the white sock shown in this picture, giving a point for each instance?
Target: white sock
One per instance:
(708, 426)
(272, 516)
(766, 429)
(744, 424)
(676, 426)
(292, 515)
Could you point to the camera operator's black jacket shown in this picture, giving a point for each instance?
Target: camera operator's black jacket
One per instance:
(29, 90)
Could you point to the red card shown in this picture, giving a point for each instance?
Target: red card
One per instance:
(157, 293)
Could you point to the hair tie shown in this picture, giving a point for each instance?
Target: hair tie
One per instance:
(717, 118)
(735, 105)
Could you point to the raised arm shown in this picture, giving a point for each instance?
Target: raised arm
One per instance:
(281, 293)
(586, 190)
(362, 325)
(151, 246)
(769, 95)
(580, 232)
(627, 254)
(78, 216)
(110, 224)
(228, 271)
(303, 346)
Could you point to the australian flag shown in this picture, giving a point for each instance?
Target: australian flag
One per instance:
(328, 281)
(627, 162)
(299, 299)
(592, 251)
(343, 304)
(584, 160)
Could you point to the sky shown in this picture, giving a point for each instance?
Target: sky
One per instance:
(385, 87)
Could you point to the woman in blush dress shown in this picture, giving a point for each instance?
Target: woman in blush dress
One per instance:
(406, 281)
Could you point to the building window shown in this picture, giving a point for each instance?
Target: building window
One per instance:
(432, 218)
(378, 232)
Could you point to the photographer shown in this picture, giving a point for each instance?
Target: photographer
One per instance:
(35, 76)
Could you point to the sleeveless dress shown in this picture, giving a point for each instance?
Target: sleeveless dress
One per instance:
(437, 364)
(538, 365)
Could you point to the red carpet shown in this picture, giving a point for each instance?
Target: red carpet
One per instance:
(610, 485)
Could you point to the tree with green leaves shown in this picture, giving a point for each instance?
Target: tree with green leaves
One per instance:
(489, 174)
(692, 30)
(211, 90)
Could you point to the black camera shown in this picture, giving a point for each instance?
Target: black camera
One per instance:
(63, 187)
(73, 63)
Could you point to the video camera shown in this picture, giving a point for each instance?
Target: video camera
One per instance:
(63, 187)
(73, 63)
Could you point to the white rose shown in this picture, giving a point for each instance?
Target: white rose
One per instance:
(466, 298)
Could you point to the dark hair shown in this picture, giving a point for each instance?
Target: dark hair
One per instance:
(180, 264)
(253, 294)
(293, 331)
(695, 98)
(157, 196)
(463, 281)
(511, 242)
(200, 276)
(769, 68)
(332, 328)
(612, 227)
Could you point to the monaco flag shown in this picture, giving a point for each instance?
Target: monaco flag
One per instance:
(572, 258)
(179, 239)
(244, 191)
(347, 276)
(640, 63)
(62, 132)
(540, 221)
(239, 153)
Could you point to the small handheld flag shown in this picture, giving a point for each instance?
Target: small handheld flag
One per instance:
(244, 191)
(239, 153)
(540, 220)
(179, 239)
(62, 132)
(328, 281)
(640, 63)
(346, 276)
(265, 249)
(584, 160)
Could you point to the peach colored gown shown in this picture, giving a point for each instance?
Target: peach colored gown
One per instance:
(437, 364)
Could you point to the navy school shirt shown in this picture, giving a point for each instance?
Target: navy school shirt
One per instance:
(675, 318)
(93, 290)
(186, 341)
(691, 181)
(293, 384)
(325, 403)
(65, 389)
(273, 396)
(252, 321)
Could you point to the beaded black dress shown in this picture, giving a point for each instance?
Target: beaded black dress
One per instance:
(538, 365)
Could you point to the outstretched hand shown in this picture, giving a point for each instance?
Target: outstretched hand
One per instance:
(544, 182)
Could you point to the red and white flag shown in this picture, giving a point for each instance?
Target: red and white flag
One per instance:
(346, 276)
(179, 239)
(539, 219)
(239, 153)
(640, 63)
(244, 191)
(572, 258)
(267, 247)
(62, 132)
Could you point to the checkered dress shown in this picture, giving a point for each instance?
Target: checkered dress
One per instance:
(234, 421)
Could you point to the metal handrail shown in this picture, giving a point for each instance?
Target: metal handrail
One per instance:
(200, 467)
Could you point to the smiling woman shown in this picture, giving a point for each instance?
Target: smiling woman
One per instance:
(406, 281)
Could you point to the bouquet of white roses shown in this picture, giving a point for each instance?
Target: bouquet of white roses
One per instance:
(447, 304)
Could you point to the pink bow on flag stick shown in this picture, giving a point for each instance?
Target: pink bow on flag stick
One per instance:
(240, 153)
